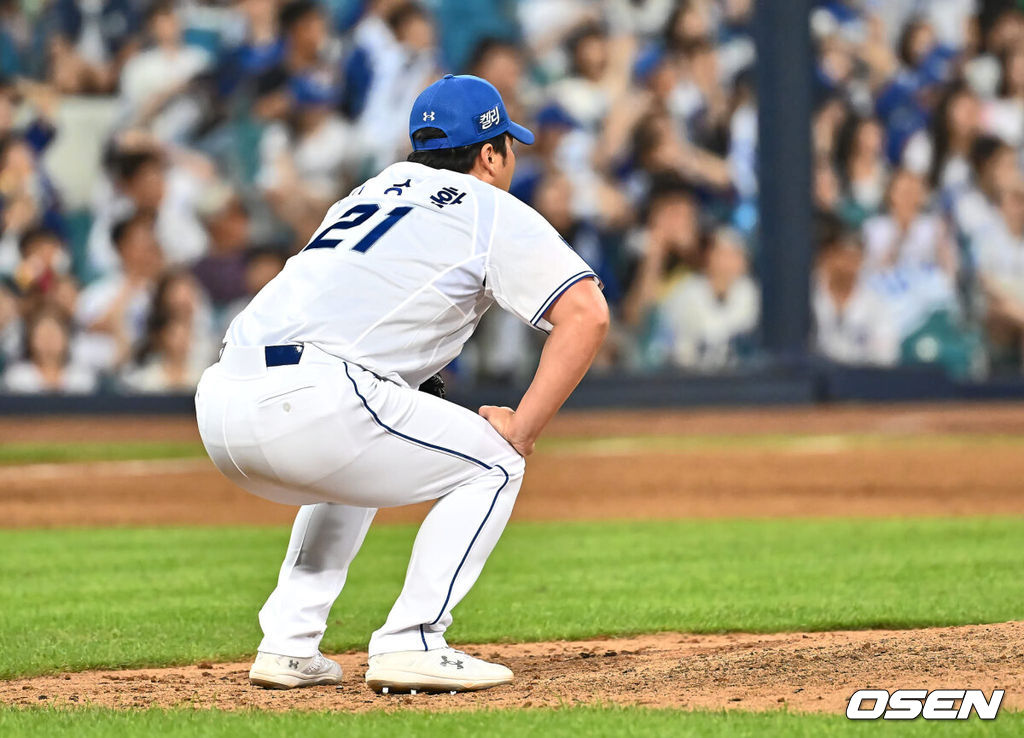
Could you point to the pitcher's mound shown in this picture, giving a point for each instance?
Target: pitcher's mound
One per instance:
(798, 671)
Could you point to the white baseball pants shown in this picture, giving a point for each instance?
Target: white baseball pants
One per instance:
(335, 438)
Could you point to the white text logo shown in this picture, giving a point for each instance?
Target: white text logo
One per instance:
(490, 118)
(908, 704)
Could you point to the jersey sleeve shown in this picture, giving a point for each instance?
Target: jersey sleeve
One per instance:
(529, 266)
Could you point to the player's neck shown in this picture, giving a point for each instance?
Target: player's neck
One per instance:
(482, 174)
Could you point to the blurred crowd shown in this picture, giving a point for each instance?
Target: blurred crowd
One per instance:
(159, 161)
(918, 140)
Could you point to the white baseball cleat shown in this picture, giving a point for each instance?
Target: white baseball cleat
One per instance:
(440, 670)
(274, 671)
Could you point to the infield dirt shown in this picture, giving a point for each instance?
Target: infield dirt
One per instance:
(804, 672)
(821, 475)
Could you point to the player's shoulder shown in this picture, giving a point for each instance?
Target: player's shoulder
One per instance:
(509, 202)
(516, 216)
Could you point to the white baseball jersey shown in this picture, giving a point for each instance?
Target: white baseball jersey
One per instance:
(400, 272)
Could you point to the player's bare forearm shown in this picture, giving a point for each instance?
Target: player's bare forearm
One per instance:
(567, 355)
(580, 320)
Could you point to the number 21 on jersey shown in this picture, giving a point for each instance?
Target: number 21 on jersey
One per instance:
(354, 217)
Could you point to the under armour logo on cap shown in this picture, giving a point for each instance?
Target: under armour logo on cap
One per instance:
(428, 116)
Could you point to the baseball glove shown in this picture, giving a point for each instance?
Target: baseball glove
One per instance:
(434, 386)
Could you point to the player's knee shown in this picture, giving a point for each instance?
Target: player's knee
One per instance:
(514, 465)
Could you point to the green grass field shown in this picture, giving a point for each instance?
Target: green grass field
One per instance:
(87, 598)
(77, 599)
(55, 453)
(569, 722)
(83, 598)
(40, 453)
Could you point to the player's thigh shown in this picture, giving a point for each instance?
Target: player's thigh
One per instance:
(421, 447)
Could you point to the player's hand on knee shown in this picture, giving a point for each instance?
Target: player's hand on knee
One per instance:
(503, 420)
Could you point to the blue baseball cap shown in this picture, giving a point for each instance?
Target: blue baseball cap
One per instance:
(468, 109)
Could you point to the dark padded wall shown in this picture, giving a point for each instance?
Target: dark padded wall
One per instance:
(784, 75)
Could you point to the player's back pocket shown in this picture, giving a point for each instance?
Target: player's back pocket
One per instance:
(304, 431)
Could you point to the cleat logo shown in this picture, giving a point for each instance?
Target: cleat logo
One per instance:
(293, 664)
(457, 663)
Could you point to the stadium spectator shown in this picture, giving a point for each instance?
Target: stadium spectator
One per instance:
(707, 113)
(306, 159)
(666, 250)
(955, 128)
(1005, 113)
(44, 259)
(853, 323)
(260, 50)
(90, 42)
(660, 149)
(826, 188)
(40, 101)
(1000, 263)
(860, 151)
(10, 326)
(373, 45)
(742, 151)
(547, 24)
(27, 197)
(1001, 30)
(154, 81)
(829, 118)
(707, 315)
(994, 169)
(303, 28)
(221, 273)
(405, 61)
(164, 364)
(909, 257)
(63, 293)
(272, 102)
(145, 182)
(48, 366)
(599, 74)
(113, 310)
(178, 295)
(907, 235)
(501, 63)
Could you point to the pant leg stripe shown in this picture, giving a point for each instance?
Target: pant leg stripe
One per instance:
(476, 535)
(417, 441)
(449, 451)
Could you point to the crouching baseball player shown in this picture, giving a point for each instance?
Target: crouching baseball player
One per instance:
(315, 398)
